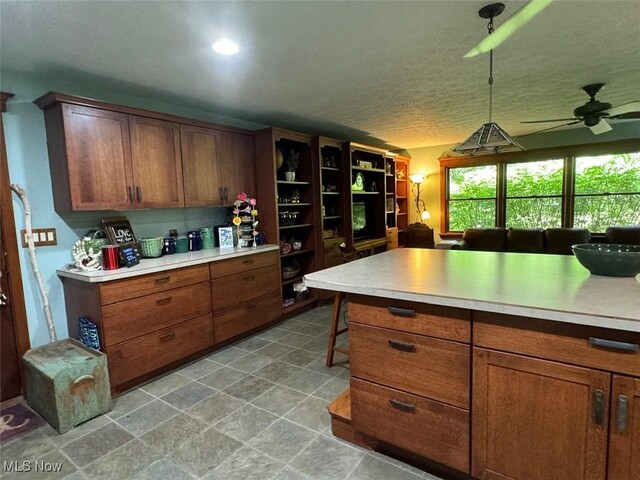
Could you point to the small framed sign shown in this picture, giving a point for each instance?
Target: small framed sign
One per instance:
(225, 236)
(120, 233)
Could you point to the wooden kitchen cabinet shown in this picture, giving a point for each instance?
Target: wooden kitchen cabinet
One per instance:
(156, 163)
(536, 419)
(236, 165)
(624, 438)
(90, 158)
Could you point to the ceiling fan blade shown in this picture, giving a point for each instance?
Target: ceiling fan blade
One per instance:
(554, 120)
(505, 30)
(624, 109)
(601, 127)
(550, 128)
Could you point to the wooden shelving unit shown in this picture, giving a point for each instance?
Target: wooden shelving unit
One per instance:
(275, 196)
(402, 190)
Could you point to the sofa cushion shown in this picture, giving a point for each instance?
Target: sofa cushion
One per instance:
(525, 240)
(419, 235)
(486, 239)
(624, 235)
(559, 240)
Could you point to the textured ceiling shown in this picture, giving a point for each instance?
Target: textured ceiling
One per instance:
(381, 72)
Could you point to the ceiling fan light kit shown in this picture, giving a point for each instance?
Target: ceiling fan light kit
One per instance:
(489, 138)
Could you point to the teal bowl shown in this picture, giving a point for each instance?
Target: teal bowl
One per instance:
(609, 259)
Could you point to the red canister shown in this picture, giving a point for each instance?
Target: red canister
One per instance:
(110, 260)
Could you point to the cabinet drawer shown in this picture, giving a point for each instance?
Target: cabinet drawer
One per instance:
(118, 290)
(125, 320)
(563, 342)
(438, 369)
(431, 429)
(243, 286)
(244, 263)
(436, 321)
(246, 316)
(145, 354)
(332, 259)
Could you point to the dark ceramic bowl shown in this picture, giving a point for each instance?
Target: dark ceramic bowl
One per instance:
(609, 259)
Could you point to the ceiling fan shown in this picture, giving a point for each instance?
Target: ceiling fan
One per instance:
(594, 114)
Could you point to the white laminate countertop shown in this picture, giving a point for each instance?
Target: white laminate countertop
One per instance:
(550, 287)
(163, 264)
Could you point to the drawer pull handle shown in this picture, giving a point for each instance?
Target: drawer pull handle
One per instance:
(402, 406)
(130, 194)
(247, 262)
(252, 307)
(139, 193)
(83, 378)
(162, 281)
(403, 346)
(249, 278)
(163, 301)
(598, 406)
(601, 342)
(167, 336)
(402, 312)
(621, 421)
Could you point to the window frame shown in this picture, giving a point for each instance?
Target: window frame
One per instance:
(568, 153)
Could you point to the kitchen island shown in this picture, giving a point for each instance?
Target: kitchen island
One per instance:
(492, 365)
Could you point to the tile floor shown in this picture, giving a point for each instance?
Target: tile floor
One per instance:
(255, 410)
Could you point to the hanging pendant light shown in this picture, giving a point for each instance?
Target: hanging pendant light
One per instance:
(490, 138)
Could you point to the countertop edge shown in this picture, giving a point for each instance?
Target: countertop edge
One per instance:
(163, 264)
(486, 306)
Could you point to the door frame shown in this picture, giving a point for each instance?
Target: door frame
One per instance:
(16, 292)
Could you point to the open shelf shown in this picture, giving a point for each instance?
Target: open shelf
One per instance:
(299, 225)
(365, 193)
(284, 182)
(294, 253)
(330, 217)
(363, 169)
(331, 193)
(293, 204)
(332, 169)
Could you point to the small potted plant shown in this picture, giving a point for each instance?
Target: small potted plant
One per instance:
(293, 160)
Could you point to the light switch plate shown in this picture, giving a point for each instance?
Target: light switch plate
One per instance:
(42, 237)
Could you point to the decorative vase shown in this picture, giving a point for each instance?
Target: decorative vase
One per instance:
(290, 176)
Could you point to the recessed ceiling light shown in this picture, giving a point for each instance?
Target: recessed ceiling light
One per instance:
(225, 47)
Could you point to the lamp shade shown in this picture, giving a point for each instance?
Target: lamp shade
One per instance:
(425, 215)
(416, 177)
(488, 139)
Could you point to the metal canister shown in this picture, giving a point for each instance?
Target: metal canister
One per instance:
(195, 241)
(207, 238)
(169, 247)
(110, 257)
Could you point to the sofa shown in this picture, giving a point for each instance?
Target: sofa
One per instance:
(524, 240)
(624, 235)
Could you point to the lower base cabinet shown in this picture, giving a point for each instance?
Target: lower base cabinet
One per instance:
(234, 321)
(538, 420)
(624, 437)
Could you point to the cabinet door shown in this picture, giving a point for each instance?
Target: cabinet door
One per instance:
(157, 167)
(236, 165)
(202, 187)
(624, 443)
(98, 159)
(537, 420)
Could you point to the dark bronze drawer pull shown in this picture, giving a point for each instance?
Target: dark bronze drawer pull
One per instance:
(139, 193)
(601, 342)
(402, 406)
(248, 278)
(252, 307)
(403, 312)
(163, 301)
(130, 194)
(162, 281)
(403, 346)
(247, 262)
(167, 336)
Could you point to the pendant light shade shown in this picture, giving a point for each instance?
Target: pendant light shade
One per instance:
(489, 138)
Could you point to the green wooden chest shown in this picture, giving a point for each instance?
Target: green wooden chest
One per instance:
(67, 383)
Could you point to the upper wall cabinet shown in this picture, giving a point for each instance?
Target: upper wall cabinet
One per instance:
(112, 157)
(217, 165)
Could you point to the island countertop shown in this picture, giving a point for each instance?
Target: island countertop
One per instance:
(549, 287)
(167, 262)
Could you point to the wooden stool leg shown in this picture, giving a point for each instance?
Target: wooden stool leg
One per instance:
(333, 331)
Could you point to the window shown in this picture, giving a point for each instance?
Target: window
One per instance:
(534, 194)
(586, 186)
(607, 191)
(472, 194)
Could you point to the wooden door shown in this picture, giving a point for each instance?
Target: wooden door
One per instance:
(236, 165)
(624, 441)
(156, 163)
(98, 159)
(14, 334)
(537, 420)
(202, 186)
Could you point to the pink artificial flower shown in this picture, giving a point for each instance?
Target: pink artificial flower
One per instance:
(236, 211)
(252, 202)
(242, 197)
